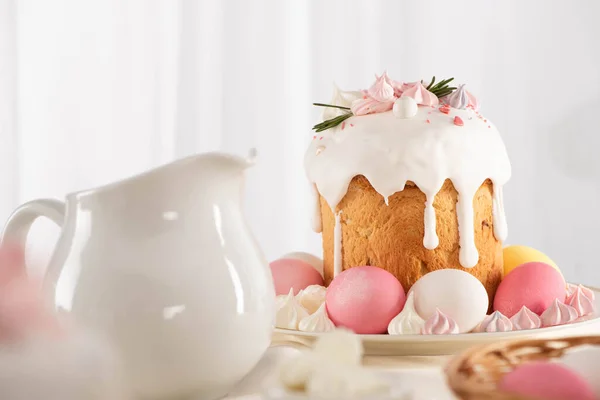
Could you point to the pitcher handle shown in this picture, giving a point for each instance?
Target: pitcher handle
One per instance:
(19, 223)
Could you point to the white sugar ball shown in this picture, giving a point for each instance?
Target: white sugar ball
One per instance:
(405, 107)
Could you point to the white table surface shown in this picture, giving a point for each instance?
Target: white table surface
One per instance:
(423, 376)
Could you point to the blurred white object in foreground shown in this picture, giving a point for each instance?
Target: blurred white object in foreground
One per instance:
(79, 367)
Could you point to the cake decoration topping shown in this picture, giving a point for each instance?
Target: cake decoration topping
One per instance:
(317, 322)
(458, 99)
(495, 322)
(458, 121)
(421, 95)
(312, 297)
(379, 98)
(558, 314)
(445, 109)
(525, 319)
(405, 107)
(581, 303)
(289, 312)
(587, 292)
(439, 324)
(408, 322)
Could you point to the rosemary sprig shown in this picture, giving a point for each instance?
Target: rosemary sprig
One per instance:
(331, 105)
(332, 123)
(441, 88)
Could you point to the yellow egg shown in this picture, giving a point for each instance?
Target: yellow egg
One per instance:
(517, 255)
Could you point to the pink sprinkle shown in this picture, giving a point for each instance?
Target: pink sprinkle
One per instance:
(314, 137)
(351, 125)
(445, 109)
(428, 121)
(489, 126)
(343, 125)
(485, 120)
(429, 112)
(458, 121)
(321, 138)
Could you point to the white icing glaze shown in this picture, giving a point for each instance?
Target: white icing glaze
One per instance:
(316, 222)
(337, 245)
(408, 322)
(289, 312)
(312, 297)
(390, 151)
(430, 238)
(317, 322)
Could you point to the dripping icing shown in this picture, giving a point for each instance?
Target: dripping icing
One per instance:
(337, 245)
(500, 227)
(316, 222)
(430, 238)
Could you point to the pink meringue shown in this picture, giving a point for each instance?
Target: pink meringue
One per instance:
(369, 105)
(558, 314)
(589, 293)
(581, 303)
(473, 102)
(421, 95)
(439, 324)
(495, 322)
(382, 90)
(525, 319)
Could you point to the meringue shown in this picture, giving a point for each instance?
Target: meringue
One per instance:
(495, 322)
(421, 95)
(439, 324)
(382, 90)
(525, 319)
(558, 314)
(458, 99)
(587, 292)
(580, 302)
(341, 345)
(289, 312)
(408, 322)
(340, 98)
(317, 322)
(369, 105)
(312, 297)
(405, 107)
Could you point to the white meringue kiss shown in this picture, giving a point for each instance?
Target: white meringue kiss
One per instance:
(317, 322)
(408, 322)
(495, 322)
(580, 302)
(289, 311)
(340, 98)
(558, 314)
(525, 319)
(439, 324)
(312, 297)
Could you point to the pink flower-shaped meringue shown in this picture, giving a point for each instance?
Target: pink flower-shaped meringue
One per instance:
(382, 90)
(525, 319)
(581, 303)
(587, 292)
(495, 322)
(370, 106)
(439, 324)
(420, 94)
(558, 314)
(23, 312)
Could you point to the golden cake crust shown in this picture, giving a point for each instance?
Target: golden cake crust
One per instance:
(391, 236)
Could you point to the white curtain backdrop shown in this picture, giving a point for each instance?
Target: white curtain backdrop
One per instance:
(95, 91)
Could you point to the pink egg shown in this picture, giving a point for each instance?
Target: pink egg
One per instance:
(291, 273)
(546, 381)
(364, 299)
(534, 285)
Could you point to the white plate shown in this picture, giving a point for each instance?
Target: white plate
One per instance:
(435, 345)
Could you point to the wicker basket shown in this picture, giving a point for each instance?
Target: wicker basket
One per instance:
(474, 374)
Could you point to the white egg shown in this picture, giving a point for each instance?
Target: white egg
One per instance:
(585, 361)
(311, 259)
(456, 293)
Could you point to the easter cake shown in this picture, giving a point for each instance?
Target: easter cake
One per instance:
(407, 181)
(410, 180)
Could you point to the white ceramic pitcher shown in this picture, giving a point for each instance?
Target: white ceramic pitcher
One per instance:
(165, 266)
